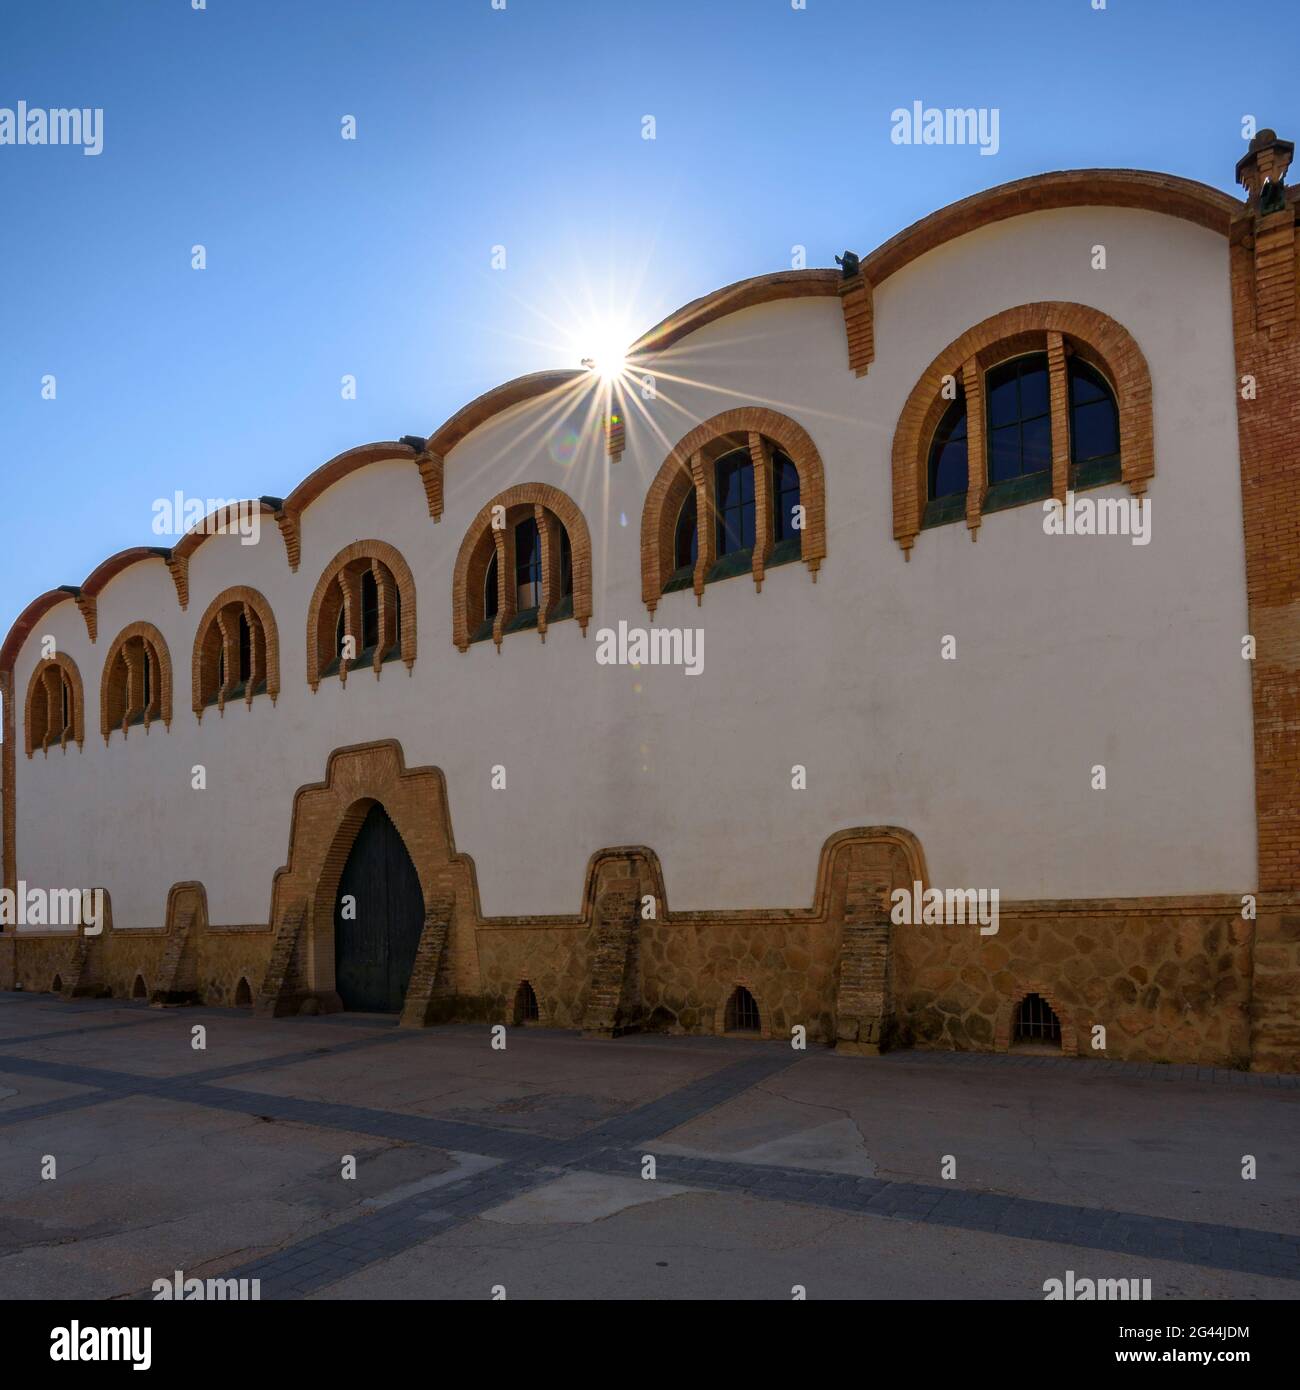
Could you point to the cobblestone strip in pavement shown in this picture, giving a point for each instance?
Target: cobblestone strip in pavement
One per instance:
(1095, 1068)
(529, 1160)
(323, 1259)
(59, 1033)
(1094, 1228)
(107, 1084)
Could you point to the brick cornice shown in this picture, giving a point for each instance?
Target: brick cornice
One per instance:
(1120, 188)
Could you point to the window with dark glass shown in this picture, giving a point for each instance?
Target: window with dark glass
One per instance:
(785, 498)
(369, 611)
(67, 704)
(528, 566)
(1094, 424)
(1019, 419)
(686, 539)
(245, 649)
(948, 456)
(148, 676)
(566, 564)
(734, 479)
(491, 594)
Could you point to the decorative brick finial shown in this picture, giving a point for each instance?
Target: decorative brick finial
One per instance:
(1262, 170)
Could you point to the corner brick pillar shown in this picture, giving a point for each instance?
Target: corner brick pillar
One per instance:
(1265, 269)
(614, 991)
(862, 1002)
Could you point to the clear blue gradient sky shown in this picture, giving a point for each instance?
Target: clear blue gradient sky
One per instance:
(479, 127)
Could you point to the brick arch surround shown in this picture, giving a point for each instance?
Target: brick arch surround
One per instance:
(391, 558)
(257, 603)
(679, 473)
(65, 664)
(325, 820)
(1006, 1018)
(470, 561)
(157, 643)
(1046, 326)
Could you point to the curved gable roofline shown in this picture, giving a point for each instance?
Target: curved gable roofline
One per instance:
(744, 294)
(1130, 188)
(219, 521)
(1068, 188)
(97, 580)
(338, 468)
(482, 408)
(25, 623)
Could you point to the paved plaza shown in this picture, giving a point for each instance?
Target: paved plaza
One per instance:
(523, 1169)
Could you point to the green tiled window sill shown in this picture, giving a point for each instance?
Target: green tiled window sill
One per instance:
(1034, 487)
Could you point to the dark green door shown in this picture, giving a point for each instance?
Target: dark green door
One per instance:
(378, 917)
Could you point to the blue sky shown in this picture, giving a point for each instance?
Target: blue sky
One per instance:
(475, 128)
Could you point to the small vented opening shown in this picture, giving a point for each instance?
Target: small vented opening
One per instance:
(138, 990)
(57, 986)
(526, 1010)
(742, 1013)
(243, 995)
(1037, 1023)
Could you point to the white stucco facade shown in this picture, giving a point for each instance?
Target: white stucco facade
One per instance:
(1071, 651)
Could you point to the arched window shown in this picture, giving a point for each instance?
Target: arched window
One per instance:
(530, 569)
(566, 568)
(491, 596)
(55, 711)
(362, 613)
(741, 493)
(236, 651)
(734, 484)
(526, 1010)
(994, 446)
(742, 1013)
(136, 688)
(1094, 426)
(785, 508)
(1019, 411)
(948, 464)
(686, 541)
(1036, 1022)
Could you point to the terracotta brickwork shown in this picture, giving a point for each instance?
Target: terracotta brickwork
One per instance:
(690, 465)
(339, 589)
(127, 694)
(541, 502)
(216, 647)
(1053, 328)
(1265, 261)
(8, 797)
(56, 681)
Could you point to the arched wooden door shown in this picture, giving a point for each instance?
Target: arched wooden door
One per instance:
(378, 917)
